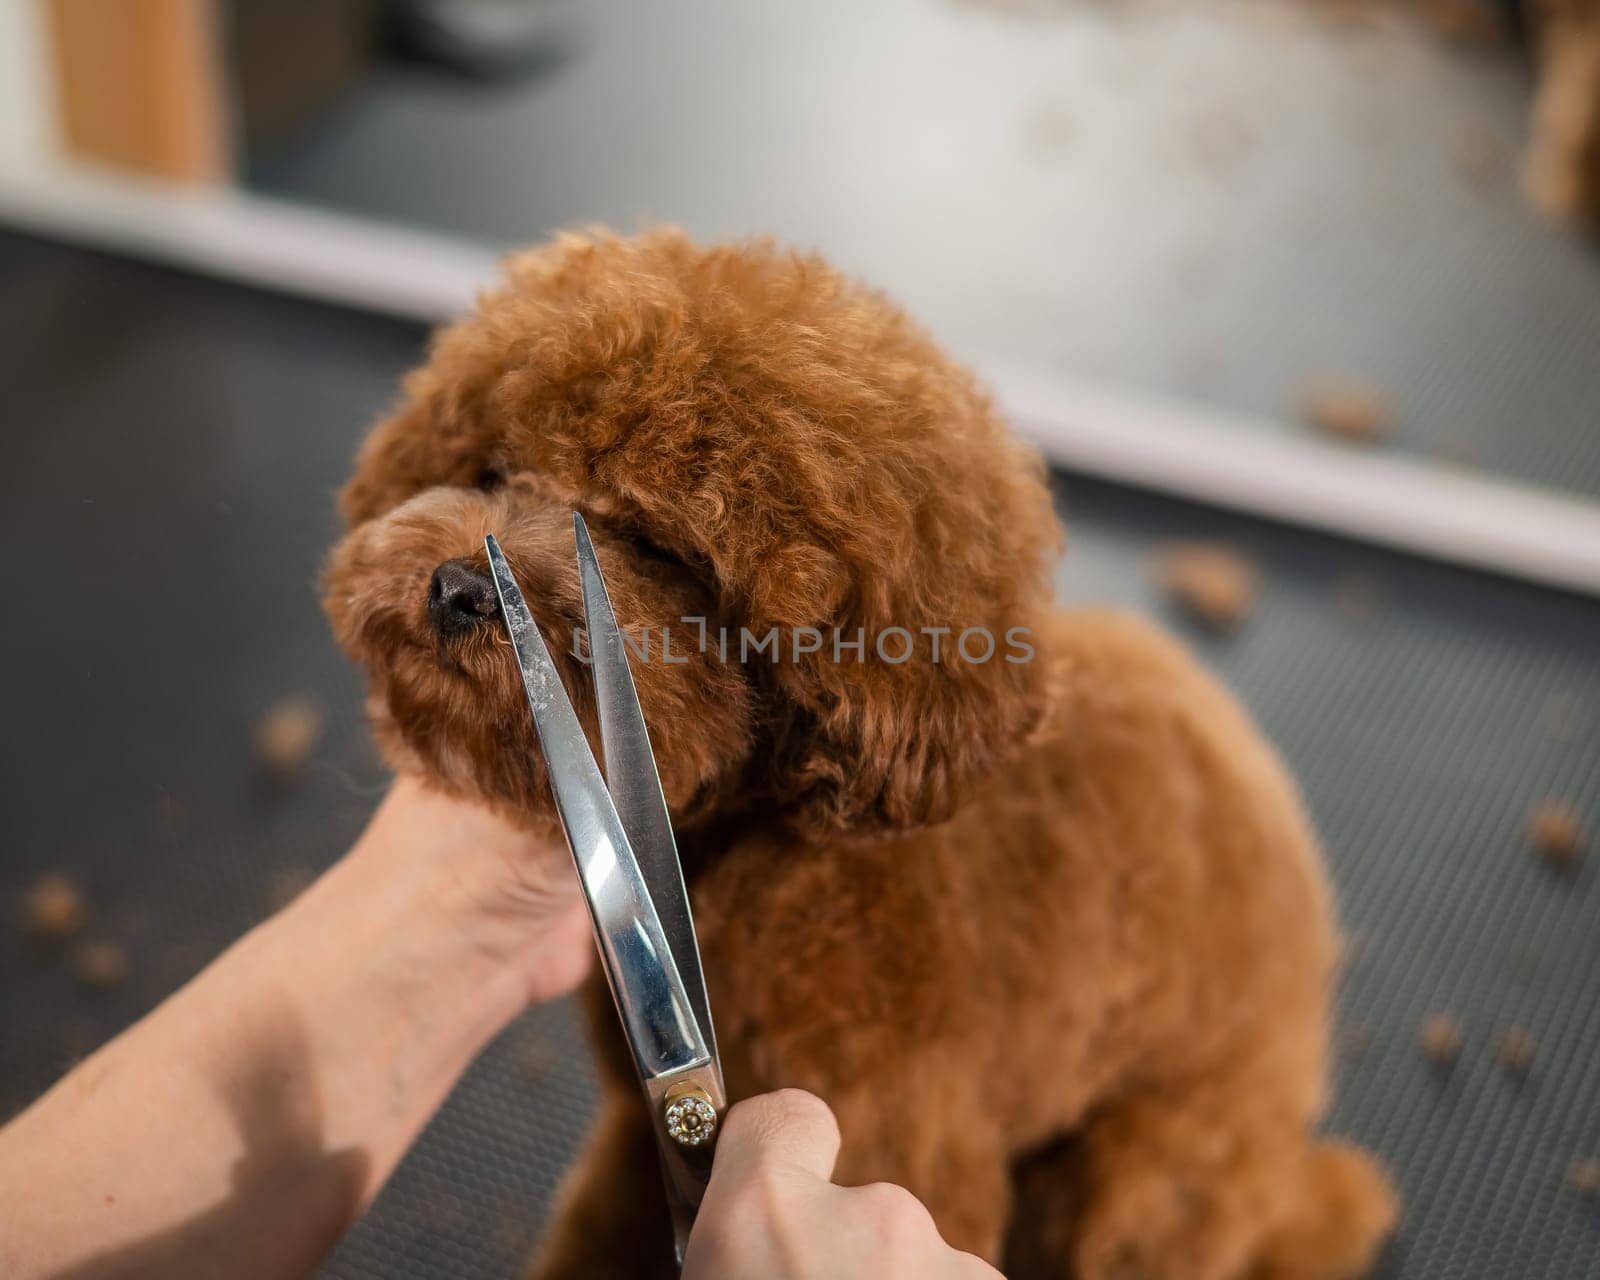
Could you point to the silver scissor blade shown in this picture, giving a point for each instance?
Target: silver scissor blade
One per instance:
(662, 1026)
(635, 782)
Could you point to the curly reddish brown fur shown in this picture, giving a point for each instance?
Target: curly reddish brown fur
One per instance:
(980, 907)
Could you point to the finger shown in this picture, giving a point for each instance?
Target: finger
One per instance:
(791, 1128)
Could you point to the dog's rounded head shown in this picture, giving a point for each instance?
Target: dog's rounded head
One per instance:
(755, 442)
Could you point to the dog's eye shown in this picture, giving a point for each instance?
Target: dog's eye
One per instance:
(651, 549)
(490, 479)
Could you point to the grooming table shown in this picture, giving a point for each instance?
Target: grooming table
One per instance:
(167, 433)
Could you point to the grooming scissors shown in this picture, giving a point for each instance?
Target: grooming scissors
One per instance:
(627, 859)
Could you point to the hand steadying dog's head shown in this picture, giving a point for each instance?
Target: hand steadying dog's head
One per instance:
(754, 441)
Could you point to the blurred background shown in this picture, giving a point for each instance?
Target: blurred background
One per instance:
(1300, 298)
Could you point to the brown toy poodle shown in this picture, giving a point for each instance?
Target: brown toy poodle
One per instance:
(1041, 916)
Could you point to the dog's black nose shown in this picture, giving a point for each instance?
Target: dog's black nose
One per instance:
(460, 597)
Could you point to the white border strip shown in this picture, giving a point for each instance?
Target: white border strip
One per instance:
(1415, 505)
(1410, 504)
(289, 248)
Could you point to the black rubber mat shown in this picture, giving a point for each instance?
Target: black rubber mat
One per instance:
(173, 445)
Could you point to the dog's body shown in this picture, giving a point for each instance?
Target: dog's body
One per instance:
(1050, 936)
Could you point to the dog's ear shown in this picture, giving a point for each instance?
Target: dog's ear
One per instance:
(909, 657)
(882, 742)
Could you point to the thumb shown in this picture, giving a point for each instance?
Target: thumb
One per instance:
(791, 1129)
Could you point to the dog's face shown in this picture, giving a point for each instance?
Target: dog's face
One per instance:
(758, 448)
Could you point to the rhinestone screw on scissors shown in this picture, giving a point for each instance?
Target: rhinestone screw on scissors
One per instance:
(621, 840)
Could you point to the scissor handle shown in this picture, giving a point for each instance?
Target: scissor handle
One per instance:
(688, 1106)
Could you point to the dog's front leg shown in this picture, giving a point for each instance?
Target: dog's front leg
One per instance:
(930, 1132)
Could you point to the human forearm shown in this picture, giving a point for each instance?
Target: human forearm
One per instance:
(242, 1125)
